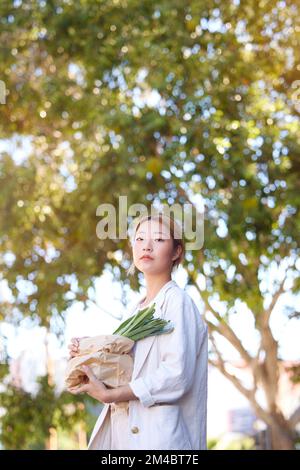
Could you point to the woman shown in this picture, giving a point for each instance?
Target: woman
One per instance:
(164, 404)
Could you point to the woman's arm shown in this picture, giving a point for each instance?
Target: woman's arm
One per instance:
(179, 352)
(123, 393)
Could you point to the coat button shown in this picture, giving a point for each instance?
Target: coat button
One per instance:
(134, 429)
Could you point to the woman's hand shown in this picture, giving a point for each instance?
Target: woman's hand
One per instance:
(74, 346)
(93, 387)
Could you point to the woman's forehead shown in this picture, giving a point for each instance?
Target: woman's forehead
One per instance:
(154, 226)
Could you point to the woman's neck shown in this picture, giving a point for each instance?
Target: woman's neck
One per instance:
(153, 286)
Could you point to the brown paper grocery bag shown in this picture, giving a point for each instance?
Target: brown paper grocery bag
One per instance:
(109, 358)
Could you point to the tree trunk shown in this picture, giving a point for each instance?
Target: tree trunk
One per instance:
(52, 441)
(282, 438)
(82, 438)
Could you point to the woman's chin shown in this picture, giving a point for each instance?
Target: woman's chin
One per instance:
(147, 269)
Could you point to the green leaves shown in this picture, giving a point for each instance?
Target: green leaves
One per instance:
(28, 417)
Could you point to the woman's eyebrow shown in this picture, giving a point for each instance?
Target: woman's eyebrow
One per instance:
(153, 232)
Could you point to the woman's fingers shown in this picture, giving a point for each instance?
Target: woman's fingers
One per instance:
(73, 351)
(74, 346)
(73, 354)
(75, 341)
(88, 372)
(81, 389)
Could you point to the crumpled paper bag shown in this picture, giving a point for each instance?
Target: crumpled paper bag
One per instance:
(109, 358)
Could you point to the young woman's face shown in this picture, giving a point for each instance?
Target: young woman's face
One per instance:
(152, 239)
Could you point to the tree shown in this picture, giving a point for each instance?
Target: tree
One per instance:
(31, 420)
(163, 101)
(27, 418)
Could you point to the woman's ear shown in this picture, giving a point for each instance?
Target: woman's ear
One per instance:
(178, 253)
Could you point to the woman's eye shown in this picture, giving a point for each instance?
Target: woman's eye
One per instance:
(139, 238)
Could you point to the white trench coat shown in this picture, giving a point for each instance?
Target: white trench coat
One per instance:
(170, 380)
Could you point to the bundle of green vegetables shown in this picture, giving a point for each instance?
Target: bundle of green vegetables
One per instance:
(108, 355)
(143, 324)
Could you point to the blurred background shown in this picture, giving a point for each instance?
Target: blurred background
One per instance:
(162, 102)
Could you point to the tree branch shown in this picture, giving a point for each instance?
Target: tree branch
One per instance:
(269, 372)
(275, 298)
(103, 309)
(295, 418)
(248, 393)
(223, 328)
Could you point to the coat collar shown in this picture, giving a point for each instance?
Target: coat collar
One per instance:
(159, 298)
(143, 346)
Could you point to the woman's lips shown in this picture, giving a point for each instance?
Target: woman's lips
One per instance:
(147, 259)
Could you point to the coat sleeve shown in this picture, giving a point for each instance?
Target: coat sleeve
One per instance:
(178, 354)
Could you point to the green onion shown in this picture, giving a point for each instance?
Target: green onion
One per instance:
(143, 324)
(132, 321)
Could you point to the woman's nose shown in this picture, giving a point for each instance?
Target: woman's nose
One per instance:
(147, 245)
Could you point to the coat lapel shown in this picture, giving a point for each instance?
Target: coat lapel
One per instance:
(98, 425)
(142, 350)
